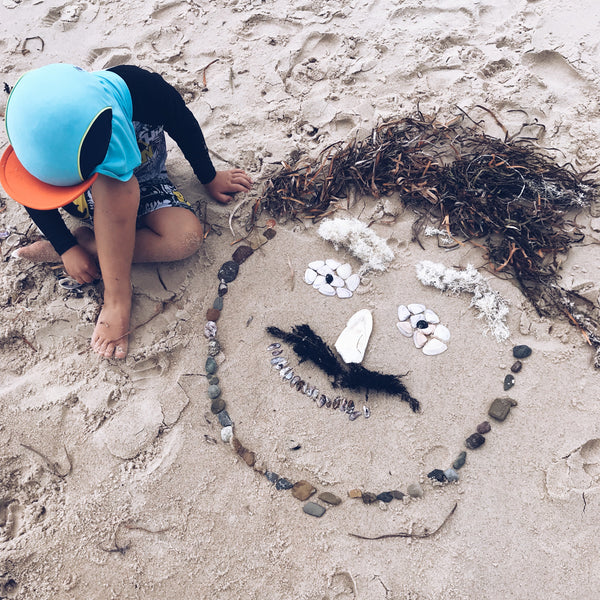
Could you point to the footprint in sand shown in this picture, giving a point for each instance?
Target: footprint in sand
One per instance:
(578, 472)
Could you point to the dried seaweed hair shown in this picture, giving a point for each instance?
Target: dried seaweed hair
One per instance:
(309, 346)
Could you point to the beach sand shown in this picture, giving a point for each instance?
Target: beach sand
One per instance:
(114, 481)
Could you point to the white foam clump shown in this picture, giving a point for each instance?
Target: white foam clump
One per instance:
(361, 241)
(490, 303)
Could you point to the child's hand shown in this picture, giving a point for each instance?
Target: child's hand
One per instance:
(228, 182)
(80, 265)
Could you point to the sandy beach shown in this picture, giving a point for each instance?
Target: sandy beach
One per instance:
(115, 482)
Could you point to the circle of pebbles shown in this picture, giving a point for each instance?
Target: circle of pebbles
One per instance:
(332, 278)
(424, 319)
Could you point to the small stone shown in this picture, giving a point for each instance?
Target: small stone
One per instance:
(414, 319)
(353, 282)
(303, 490)
(213, 380)
(419, 339)
(315, 265)
(385, 497)
(397, 494)
(212, 314)
(437, 475)
(343, 292)
(474, 441)
(332, 263)
(214, 347)
(330, 498)
(415, 490)
(422, 324)
(214, 391)
(210, 330)
(442, 333)
(228, 271)
(329, 278)
(227, 433)
(269, 233)
(416, 309)
(211, 365)
(309, 276)
(356, 493)
(313, 509)
(218, 303)
(327, 290)
(451, 475)
(403, 313)
(522, 351)
(369, 497)
(459, 463)
(236, 445)
(217, 405)
(344, 271)
(283, 484)
(241, 254)
(405, 328)
(500, 408)
(259, 467)
(222, 289)
(430, 316)
(484, 427)
(434, 347)
(248, 457)
(271, 476)
(224, 419)
(517, 366)
(509, 381)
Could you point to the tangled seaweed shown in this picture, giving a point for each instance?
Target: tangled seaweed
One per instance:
(309, 346)
(506, 196)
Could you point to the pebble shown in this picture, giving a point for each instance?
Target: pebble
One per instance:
(451, 475)
(522, 351)
(437, 475)
(210, 329)
(434, 347)
(355, 493)
(316, 264)
(211, 365)
(228, 271)
(224, 419)
(422, 324)
(414, 319)
(419, 339)
(330, 498)
(509, 381)
(405, 328)
(415, 490)
(222, 290)
(484, 427)
(309, 276)
(397, 494)
(271, 476)
(430, 316)
(248, 457)
(227, 434)
(241, 254)
(369, 497)
(213, 314)
(500, 408)
(326, 289)
(416, 309)
(474, 441)
(442, 333)
(303, 490)
(343, 292)
(403, 313)
(344, 271)
(517, 366)
(217, 405)
(313, 509)
(283, 484)
(332, 263)
(214, 391)
(385, 497)
(218, 303)
(214, 347)
(353, 282)
(459, 463)
(213, 380)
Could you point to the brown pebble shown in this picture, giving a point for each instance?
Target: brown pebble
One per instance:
(500, 408)
(517, 366)
(303, 490)
(241, 254)
(269, 233)
(212, 314)
(484, 427)
(330, 498)
(249, 457)
(259, 467)
(236, 445)
(218, 404)
(356, 493)
(369, 497)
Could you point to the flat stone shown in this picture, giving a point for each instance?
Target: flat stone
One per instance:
(303, 490)
(227, 434)
(509, 381)
(241, 254)
(212, 314)
(271, 476)
(356, 493)
(330, 498)
(397, 494)
(228, 271)
(218, 303)
(459, 463)
(313, 509)
(516, 366)
(385, 497)
(500, 408)
(437, 475)
(484, 427)
(211, 365)
(217, 405)
(451, 475)
(283, 484)
(224, 419)
(369, 497)
(214, 391)
(521, 351)
(248, 457)
(474, 441)
(415, 490)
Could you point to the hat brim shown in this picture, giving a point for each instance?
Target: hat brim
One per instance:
(29, 191)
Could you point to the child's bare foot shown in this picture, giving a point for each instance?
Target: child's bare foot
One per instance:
(40, 251)
(111, 334)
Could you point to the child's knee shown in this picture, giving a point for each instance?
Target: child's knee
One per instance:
(192, 238)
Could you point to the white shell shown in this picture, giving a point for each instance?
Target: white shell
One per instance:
(326, 290)
(414, 319)
(309, 276)
(352, 342)
(431, 317)
(344, 271)
(337, 281)
(343, 292)
(442, 333)
(325, 270)
(419, 339)
(316, 264)
(416, 309)
(353, 282)
(403, 313)
(319, 281)
(405, 328)
(433, 347)
(332, 263)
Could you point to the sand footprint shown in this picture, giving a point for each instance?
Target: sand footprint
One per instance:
(578, 471)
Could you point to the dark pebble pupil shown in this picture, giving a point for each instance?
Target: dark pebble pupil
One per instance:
(422, 324)
(329, 278)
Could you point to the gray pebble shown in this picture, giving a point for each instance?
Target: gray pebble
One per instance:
(211, 365)
(217, 405)
(474, 441)
(213, 380)
(218, 303)
(509, 381)
(415, 490)
(214, 347)
(214, 391)
(522, 351)
(228, 271)
(451, 475)
(272, 477)
(330, 498)
(224, 419)
(284, 484)
(500, 408)
(314, 509)
(459, 463)
(397, 494)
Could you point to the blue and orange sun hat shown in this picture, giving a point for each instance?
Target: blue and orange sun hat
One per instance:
(65, 126)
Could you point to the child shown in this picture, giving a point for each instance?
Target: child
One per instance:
(93, 143)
